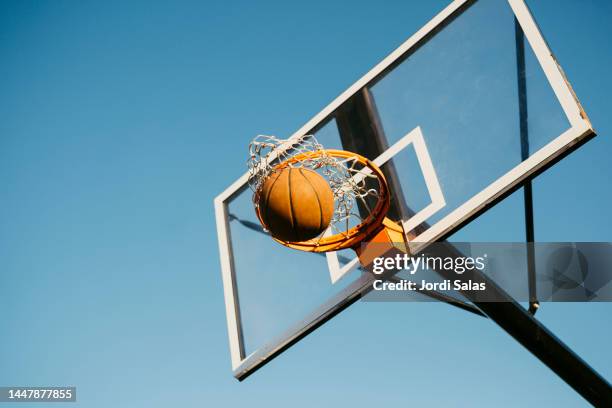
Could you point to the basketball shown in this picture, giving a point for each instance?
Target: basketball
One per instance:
(296, 204)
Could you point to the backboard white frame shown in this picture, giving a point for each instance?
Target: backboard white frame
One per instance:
(580, 130)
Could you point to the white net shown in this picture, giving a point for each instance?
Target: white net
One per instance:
(354, 186)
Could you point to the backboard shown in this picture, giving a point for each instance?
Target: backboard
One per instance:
(459, 116)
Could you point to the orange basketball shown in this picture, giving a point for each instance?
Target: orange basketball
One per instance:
(296, 204)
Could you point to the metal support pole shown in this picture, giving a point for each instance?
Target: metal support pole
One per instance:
(527, 189)
(533, 335)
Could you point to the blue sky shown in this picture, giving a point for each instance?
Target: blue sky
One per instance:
(120, 122)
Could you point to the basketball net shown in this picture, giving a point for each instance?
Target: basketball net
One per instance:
(361, 194)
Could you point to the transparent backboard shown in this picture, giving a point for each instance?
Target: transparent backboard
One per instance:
(461, 114)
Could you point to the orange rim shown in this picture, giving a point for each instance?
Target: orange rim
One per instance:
(355, 235)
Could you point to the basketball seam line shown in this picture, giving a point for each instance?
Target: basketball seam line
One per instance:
(317, 197)
(290, 200)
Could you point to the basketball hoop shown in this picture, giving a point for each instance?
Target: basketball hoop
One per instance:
(360, 192)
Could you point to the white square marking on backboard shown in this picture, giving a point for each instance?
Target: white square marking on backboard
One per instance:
(414, 137)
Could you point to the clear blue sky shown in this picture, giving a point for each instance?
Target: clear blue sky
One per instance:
(120, 122)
